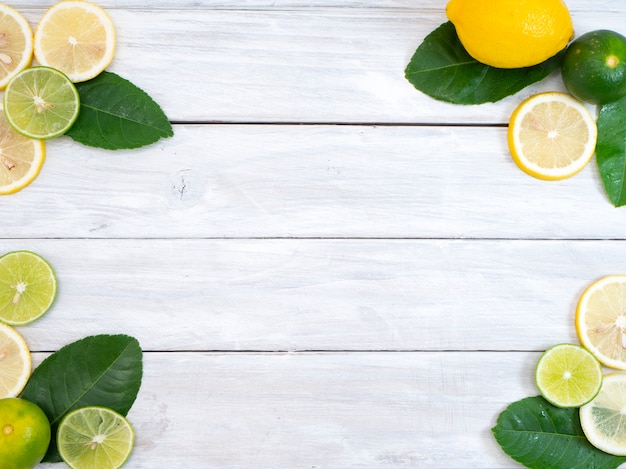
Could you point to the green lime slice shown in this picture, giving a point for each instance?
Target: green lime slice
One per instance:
(28, 287)
(95, 437)
(41, 102)
(568, 375)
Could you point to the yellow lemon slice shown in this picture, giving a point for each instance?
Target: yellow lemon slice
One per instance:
(15, 362)
(602, 420)
(601, 320)
(16, 44)
(77, 38)
(552, 136)
(21, 158)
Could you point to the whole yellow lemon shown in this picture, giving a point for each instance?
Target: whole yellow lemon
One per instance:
(511, 33)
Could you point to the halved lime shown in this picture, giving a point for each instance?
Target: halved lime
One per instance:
(41, 102)
(28, 287)
(568, 375)
(95, 438)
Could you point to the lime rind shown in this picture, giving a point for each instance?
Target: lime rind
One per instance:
(28, 287)
(41, 103)
(568, 375)
(95, 436)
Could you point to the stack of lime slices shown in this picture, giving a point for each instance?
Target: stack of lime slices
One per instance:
(74, 42)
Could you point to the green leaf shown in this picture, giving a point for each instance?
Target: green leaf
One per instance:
(103, 370)
(442, 69)
(541, 436)
(611, 150)
(115, 114)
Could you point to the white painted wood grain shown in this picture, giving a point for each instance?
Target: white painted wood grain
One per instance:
(294, 295)
(307, 181)
(326, 410)
(296, 63)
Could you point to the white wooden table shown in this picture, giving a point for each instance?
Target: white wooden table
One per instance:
(324, 267)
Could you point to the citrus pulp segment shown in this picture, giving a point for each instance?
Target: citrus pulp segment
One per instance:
(567, 375)
(552, 136)
(16, 44)
(21, 158)
(601, 320)
(76, 37)
(28, 287)
(95, 437)
(603, 420)
(15, 362)
(41, 103)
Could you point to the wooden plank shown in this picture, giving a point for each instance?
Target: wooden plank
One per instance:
(293, 295)
(307, 181)
(369, 410)
(295, 64)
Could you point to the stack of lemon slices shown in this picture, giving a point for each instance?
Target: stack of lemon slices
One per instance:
(73, 42)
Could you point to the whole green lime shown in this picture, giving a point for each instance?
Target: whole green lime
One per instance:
(594, 67)
(24, 434)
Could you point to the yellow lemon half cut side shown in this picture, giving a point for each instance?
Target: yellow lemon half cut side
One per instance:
(76, 37)
(552, 136)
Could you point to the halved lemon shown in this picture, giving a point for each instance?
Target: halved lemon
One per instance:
(601, 320)
(16, 44)
(552, 136)
(76, 37)
(15, 362)
(603, 420)
(21, 158)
